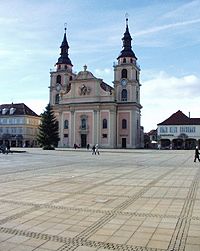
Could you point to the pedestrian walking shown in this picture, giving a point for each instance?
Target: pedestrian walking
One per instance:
(196, 155)
(88, 146)
(97, 149)
(93, 150)
(8, 147)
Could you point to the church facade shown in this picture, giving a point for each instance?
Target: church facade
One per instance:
(90, 111)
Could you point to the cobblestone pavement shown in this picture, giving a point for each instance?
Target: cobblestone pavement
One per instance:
(131, 200)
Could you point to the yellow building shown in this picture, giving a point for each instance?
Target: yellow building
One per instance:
(18, 125)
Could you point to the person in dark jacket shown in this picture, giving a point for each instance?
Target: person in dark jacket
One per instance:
(93, 150)
(196, 156)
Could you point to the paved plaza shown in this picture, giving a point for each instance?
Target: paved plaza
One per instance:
(130, 200)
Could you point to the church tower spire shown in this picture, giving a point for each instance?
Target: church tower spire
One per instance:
(127, 48)
(64, 54)
(127, 94)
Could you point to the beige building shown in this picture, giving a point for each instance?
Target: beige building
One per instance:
(91, 111)
(18, 125)
(179, 132)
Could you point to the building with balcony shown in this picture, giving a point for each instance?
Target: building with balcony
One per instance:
(18, 125)
(90, 111)
(179, 132)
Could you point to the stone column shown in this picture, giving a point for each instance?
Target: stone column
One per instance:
(98, 127)
(113, 129)
(71, 129)
(133, 129)
(96, 132)
(61, 129)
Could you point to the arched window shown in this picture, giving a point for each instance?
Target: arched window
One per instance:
(124, 73)
(105, 123)
(70, 78)
(124, 60)
(124, 95)
(57, 99)
(136, 75)
(83, 123)
(66, 124)
(124, 124)
(137, 95)
(58, 79)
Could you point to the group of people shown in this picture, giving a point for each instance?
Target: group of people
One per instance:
(76, 146)
(95, 149)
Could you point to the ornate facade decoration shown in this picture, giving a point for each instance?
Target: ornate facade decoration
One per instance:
(84, 90)
(94, 111)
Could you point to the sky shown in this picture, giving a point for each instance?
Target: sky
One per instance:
(166, 41)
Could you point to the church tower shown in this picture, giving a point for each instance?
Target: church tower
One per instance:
(62, 75)
(127, 95)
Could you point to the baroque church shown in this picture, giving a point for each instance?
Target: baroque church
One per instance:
(90, 111)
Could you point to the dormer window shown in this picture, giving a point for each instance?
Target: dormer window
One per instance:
(12, 110)
(4, 111)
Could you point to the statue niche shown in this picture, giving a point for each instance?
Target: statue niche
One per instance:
(84, 90)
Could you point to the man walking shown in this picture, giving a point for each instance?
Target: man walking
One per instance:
(196, 156)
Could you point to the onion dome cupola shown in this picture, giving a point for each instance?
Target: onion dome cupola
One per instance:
(127, 51)
(64, 58)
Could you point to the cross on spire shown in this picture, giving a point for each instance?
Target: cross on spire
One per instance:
(126, 16)
(65, 27)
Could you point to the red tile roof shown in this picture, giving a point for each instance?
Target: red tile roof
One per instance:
(179, 118)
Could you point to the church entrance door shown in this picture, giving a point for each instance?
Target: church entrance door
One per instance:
(123, 142)
(83, 140)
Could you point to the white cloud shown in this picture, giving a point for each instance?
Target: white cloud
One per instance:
(166, 27)
(106, 71)
(191, 8)
(8, 20)
(106, 74)
(163, 95)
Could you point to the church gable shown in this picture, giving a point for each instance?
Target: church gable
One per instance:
(85, 75)
(85, 87)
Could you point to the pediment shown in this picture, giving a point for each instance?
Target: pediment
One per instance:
(85, 75)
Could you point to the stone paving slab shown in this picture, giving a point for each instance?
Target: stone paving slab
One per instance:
(138, 200)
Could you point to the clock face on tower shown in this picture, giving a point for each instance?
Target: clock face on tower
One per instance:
(124, 82)
(58, 87)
